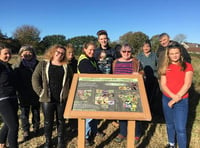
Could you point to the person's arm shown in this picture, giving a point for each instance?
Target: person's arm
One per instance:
(37, 79)
(165, 89)
(187, 84)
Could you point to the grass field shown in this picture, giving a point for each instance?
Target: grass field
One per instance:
(154, 135)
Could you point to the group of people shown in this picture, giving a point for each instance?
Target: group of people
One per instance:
(48, 82)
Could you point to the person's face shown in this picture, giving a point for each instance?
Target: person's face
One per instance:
(27, 55)
(146, 48)
(5, 55)
(89, 51)
(59, 54)
(126, 53)
(164, 41)
(70, 54)
(103, 40)
(174, 55)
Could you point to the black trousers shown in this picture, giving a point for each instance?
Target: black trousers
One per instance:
(8, 111)
(49, 110)
(25, 111)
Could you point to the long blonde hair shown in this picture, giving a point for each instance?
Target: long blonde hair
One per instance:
(51, 51)
(166, 61)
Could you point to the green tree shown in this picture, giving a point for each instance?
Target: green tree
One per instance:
(54, 39)
(13, 44)
(27, 34)
(78, 42)
(134, 39)
(155, 42)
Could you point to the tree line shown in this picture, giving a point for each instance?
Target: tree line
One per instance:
(30, 35)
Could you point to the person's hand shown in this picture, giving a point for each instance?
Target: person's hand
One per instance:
(171, 103)
(176, 98)
(135, 73)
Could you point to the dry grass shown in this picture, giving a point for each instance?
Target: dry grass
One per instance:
(154, 135)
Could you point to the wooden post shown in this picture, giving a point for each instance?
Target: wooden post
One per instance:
(81, 133)
(131, 134)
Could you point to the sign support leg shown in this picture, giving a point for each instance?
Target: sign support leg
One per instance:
(131, 134)
(81, 133)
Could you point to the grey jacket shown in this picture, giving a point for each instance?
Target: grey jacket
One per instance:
(40, 82)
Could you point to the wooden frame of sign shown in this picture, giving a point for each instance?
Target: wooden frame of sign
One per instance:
(107, 96)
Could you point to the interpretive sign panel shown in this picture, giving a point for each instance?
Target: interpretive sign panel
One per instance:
(107, 96)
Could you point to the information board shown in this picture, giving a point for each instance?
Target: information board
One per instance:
(107, 96)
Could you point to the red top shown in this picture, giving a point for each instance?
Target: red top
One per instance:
(175, 78)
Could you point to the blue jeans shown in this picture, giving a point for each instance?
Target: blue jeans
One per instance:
(90, 127)
(176, 120)
(123, 128)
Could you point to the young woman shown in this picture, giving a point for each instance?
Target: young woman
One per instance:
(28, 99)
(51, 81)
(175, 81)
(87, 64)
(126, 65)
(8, 101)
(72, 61)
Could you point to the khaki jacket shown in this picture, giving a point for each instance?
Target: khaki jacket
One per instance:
(40, 82)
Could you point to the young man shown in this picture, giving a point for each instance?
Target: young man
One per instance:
(104, 54)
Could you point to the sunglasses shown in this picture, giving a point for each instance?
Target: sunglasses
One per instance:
(124, 51)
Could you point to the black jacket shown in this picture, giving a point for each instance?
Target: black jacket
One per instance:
(26, 94)
(7, 81)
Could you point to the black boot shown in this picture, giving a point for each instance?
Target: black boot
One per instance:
(48, 143)
(61, 143)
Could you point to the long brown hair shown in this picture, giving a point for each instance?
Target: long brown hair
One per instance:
(51, 51)
(166, 61)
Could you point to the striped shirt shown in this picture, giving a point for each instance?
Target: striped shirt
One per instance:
(123, 68)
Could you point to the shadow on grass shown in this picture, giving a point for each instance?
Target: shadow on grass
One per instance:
(194, 98)
(33, 135)
(149, 127)
(104, 125)
(108, 140)
(71, 130)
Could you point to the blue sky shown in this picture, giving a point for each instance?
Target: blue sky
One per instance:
(85, 17)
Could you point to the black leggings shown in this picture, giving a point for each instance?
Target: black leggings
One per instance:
(8, 111)
(49, 109)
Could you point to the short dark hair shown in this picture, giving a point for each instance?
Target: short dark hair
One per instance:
(163, 34)
(102, 32)
(2, 46)
(147, 42)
